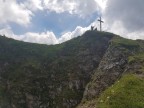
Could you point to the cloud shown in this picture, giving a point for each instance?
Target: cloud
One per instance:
(82, 8)
(125, 17)
(47, 37)
(42, 38)
(33, 5)
(121, 17)
(7, 32)
(102, 4)
(11, 11)
(69, 35)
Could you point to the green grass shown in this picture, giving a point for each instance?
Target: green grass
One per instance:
(136, 58)
(128, 92)
(33, 68)
(126, 43)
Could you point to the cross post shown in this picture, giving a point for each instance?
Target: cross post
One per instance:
(100, 20)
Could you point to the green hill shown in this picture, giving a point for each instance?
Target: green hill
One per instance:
(65, 75)
(128, 92)
(122, 57)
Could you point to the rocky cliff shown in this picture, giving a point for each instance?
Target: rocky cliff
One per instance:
(118, 61)
(67, 75)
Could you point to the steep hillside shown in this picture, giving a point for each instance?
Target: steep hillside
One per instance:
(128, 92)
(122, 57)
(79, 73)
(40, 76)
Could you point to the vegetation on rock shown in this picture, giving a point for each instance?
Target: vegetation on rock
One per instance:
(128, 92)
(63, 75)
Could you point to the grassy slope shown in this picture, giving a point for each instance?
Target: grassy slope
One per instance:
(125, 43)
(129, 91)
(29, 67)
(21, 63)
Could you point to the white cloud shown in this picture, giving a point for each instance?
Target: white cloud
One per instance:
(33, 5)
(7, 32)
(121, 17)
(118, 28)
(21, 14)
(44, 37)
(136, 35)
(125, 17)
(10, 11)
(60, 6)
(102, 4)
(80, 7)
(41, 38)
(69, 35)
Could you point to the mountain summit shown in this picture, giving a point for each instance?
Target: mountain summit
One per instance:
(95, 70)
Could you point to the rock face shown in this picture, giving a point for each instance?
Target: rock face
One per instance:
(110, 69)
(61, 76)
(113, 65)
(40, 76)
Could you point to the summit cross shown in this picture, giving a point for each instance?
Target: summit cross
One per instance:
(100, 20)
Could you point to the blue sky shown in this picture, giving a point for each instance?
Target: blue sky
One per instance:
(42, 20)
(56, 21)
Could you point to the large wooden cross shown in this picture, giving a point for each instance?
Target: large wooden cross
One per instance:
(100, 20)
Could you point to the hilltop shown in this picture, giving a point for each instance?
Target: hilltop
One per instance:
(78, 73)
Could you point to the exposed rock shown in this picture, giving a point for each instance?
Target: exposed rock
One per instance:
(59, 76)
(110, 69)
